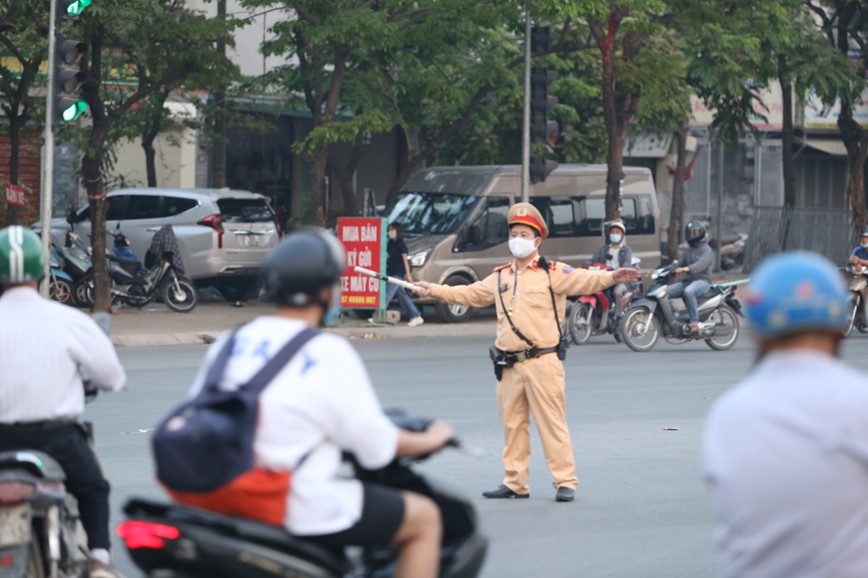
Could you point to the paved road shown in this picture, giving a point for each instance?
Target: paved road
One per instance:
(641, 511)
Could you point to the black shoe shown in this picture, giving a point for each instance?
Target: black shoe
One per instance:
(503, 493)
(565, 494)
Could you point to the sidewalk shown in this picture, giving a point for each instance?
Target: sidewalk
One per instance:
(156, 325)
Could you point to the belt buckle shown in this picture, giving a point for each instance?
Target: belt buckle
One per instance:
(521, 356)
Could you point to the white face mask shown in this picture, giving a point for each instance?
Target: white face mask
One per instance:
(393, 235)
(520, 247)
(615, 237)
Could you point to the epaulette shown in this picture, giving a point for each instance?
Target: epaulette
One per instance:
(501, 267)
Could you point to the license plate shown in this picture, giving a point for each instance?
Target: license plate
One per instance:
(14, 524)
(250, 240)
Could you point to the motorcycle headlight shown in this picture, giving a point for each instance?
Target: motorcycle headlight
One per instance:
(418, 258)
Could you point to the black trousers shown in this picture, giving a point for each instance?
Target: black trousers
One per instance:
(69, 445)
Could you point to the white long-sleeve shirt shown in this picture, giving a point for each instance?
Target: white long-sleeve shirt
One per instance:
(321, 403)
(786, 457)
(43, 344)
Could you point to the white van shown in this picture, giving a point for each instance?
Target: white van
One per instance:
(454, 219)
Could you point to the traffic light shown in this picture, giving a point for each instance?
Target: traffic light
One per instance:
(72, 7)
(68, 78)
(542, 130)
(541, 39)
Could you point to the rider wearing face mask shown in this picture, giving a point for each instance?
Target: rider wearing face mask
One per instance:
(859, 255)
(529, 296)
(616, 253)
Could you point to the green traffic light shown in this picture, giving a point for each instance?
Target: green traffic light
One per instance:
(77, 7)
(73, 111)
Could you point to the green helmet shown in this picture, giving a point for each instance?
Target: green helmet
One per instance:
(21, 256)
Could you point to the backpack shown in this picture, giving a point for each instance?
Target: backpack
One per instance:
(207, 441)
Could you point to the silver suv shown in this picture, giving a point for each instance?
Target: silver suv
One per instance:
(224, 234)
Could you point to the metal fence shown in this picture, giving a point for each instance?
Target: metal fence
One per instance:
(777, 229)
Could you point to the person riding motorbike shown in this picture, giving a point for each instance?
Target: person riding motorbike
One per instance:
(43, 347)
(859, 255)
(616, 253)
(321, 404)
(696, 264)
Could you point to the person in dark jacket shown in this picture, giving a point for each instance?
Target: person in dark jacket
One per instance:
(697, 262)
(398, 266)
(616, 253)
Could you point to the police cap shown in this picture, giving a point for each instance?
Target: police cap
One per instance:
(527, 214)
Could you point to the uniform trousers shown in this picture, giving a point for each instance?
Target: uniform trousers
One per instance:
(535, 387)
(68, 444)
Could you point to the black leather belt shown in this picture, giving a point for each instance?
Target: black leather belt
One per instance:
(25, 426)
(519, 356)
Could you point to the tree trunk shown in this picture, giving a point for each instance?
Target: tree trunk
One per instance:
(317, 171)
(16, 123)
(150, 133)
(347, 180)
(787, 134)
(855, 140)
(218, 148)
(90, 171)
(677, 195)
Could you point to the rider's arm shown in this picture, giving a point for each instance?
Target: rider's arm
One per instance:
(93, 351)
(704, 262)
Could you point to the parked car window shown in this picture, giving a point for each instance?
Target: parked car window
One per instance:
(590, 213)
(176, 205)
(244, 210)
(114, 211)
(143, 207)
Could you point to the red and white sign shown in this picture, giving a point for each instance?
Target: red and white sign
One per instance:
(15, 195)
(362, 238)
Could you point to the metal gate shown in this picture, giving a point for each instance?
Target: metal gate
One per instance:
(773, 230)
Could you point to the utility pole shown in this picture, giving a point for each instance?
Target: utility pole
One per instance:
(218, 149)
(47, 189)
(525, 123)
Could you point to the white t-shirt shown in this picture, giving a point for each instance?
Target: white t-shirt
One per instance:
(786, 457)
(43, 347)
(321, 403)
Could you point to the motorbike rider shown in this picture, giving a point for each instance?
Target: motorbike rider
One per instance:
(616, 253)
(696, 265)
(859, 255)
(784, 451)
(43, 347)
(322, 404)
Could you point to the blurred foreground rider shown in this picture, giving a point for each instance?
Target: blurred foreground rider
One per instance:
(43, 347)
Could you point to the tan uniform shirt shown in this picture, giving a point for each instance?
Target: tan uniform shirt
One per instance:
(527, 298)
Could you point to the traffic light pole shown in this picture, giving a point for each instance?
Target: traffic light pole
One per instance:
(47, 189)
(525, 124)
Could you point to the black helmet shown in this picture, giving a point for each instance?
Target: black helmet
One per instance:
(295, 272)
(694, 232)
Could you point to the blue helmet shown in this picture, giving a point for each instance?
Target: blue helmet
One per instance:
(795, 292)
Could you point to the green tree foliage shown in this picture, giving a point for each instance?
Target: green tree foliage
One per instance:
(23, 41)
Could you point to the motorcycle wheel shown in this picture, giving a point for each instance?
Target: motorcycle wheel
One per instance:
(723, 316)
(180, 301)
(61, 291)
(851, 318)
(35, 567)
(83, 293)
(640, 329)
(579, 323)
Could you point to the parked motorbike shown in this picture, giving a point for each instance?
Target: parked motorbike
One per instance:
(60, 283)
(77, 264)
(656, 314)
(134, 285)
(173, 541)
(594, 314)
(858, 317)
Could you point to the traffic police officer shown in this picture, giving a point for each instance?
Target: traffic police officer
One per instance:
(529, 295)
